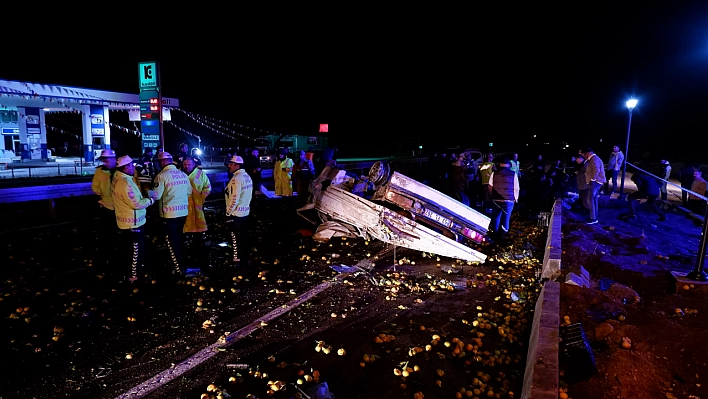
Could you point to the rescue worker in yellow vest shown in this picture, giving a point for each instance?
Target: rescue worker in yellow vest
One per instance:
(130, 213)
(485, 172)
(195, 225)
(101, 186)
(504, 190)
(283, 174)
(238, 206)
(172, 188)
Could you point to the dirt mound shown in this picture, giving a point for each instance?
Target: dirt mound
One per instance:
(648, 341)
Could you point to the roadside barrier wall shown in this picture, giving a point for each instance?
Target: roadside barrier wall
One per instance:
(541, 376)
(552, 254)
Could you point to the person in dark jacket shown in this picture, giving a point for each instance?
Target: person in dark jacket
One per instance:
(194, 155)
(156, 162)
(647, 188)
(504, 192)
(458, 180)
(145, 163)
(303, 175)
(252, 166)
(181, 155)
(686, 179)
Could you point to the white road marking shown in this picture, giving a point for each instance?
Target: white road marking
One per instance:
(161, 379)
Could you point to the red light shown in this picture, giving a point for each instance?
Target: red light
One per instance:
(154, 108)
(473, 235)
(153, 101)
(324, 127)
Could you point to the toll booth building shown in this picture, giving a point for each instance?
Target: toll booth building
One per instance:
(24, 105)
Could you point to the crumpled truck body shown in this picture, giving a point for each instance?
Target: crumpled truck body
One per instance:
(333, 200)
(431, 207)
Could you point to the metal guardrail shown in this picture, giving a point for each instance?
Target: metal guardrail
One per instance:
(61, 169)
(215, 171)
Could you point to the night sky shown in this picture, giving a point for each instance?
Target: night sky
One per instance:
(391, 79)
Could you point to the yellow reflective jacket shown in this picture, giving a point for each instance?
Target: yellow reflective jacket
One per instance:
(173, 190)
(101, 186)
(485, 171)
(283, 176)
(129, 202)
(201, 187)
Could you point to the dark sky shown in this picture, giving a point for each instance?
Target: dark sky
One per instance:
(437, 77)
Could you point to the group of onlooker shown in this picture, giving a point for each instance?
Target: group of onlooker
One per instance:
(649, 186)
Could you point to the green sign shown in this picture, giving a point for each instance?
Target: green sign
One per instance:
(150, 104)
(148, 75)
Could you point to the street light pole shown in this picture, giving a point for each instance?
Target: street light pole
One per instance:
(630, 106)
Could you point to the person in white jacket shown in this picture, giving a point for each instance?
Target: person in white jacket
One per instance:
(238, 195)
(172, 190)
(614, 165)
(130, 212)
(666, 175)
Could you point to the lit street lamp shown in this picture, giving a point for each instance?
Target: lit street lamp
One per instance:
(630, 106)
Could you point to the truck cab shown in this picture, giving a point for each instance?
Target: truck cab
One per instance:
(427, 206)
(408, 213)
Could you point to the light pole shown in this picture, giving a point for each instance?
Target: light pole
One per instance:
(631, 103)
(698, 274)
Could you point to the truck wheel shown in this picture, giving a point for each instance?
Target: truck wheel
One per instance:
(379, 173)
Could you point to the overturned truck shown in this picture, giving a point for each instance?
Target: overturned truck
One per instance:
(395, 209)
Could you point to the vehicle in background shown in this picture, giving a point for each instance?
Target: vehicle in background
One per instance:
(266, 158)
(269, 145)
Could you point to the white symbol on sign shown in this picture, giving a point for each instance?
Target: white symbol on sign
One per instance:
(97, 119)
(148, 75)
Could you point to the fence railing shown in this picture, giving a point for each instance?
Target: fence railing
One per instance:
(76, 168)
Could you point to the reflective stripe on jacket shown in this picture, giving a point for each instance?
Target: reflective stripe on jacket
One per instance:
(238, 194)
(129, 202)
(173, 189)
(485, 172)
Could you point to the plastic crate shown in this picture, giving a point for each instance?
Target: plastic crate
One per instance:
(576, 356)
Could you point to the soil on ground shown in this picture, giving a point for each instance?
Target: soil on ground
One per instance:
(647, 333)
(73, 329)
(413, 323)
